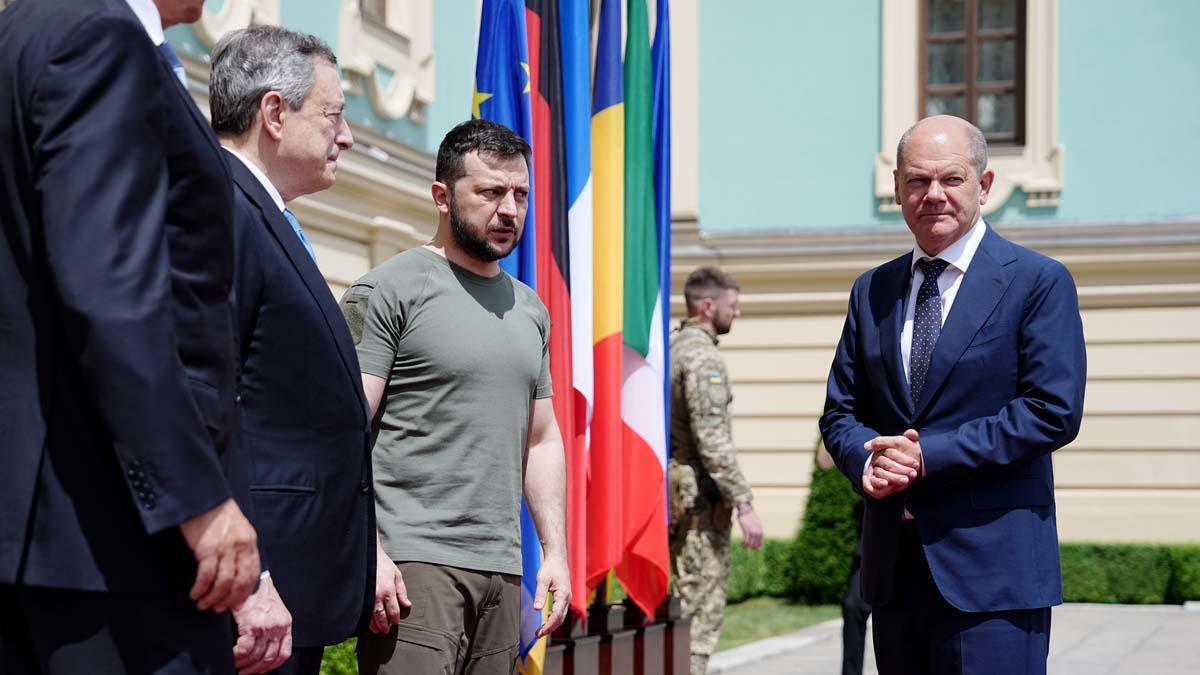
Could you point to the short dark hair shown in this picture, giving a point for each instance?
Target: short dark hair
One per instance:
(481, 136)
(250, 62)
(707, 282)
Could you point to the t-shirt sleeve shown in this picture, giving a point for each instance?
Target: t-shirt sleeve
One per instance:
(544, 388)
(376, 321)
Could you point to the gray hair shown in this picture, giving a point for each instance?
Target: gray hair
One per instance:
(249, 63)
(976, 146)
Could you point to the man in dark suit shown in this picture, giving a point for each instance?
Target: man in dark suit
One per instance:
(960, 369)
(277, 105)
(116, 352)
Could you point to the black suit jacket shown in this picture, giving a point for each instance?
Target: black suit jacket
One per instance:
(117, 354)
(305, 425)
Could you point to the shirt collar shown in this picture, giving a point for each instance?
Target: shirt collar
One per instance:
(147, 13)
(958, 254)
(694, 323)
(262, 177)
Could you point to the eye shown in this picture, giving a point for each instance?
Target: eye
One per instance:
(917, 182)
(953, 180)
(522, 194)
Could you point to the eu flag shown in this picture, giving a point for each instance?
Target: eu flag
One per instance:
(502, 88)
(502, 91)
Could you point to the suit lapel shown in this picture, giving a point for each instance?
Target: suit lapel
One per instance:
(304, 265)
(186, 99)
(983, 286)
(889, 333)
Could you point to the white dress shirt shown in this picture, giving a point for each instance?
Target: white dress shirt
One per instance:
(147, 12)
(262, 177)
(959, 255)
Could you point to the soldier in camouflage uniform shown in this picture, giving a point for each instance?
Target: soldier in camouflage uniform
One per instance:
(706, 484)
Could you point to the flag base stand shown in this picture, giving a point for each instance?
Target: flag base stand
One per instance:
(649, 642)
(677, 637)
(616, 641)
(575, 652)
(620, 640)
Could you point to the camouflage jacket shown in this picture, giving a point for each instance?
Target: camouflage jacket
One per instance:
(704, 466)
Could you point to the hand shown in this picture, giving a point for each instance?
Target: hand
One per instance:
(895, 463)
(553, 577)
(390, 593)
(226, 550)
(264, 627)
(752, 529)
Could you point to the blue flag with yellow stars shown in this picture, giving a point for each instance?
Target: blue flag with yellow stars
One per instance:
(502, 92)
(502, 88)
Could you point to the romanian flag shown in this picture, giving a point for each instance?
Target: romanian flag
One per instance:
(502, 87)
(644, 565)
(605, 527)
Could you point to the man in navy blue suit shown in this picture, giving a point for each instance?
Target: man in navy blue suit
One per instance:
(117, 364)
(961, 367)
(277, 104)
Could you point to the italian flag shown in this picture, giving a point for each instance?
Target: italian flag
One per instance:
(644, 564)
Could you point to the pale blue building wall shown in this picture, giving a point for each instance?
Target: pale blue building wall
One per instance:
(789, 114)
(454, 29)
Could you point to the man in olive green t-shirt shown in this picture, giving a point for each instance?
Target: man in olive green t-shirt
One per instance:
(455, 365)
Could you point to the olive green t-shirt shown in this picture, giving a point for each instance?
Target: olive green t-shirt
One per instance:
(464, 356)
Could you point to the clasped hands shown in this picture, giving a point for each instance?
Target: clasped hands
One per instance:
(895, 464)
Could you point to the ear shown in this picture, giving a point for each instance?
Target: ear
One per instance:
(896, 185)
(272, 109)
(441, 197)
(985, 185)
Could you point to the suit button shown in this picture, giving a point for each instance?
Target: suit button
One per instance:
(365, 486)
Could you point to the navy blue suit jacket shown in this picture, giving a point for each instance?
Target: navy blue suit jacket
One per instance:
(117, 353)
(305, 425)
(1004, 390)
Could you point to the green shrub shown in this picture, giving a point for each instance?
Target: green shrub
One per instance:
(1185, 574)
(779, 567)
(340, 659)
(746, 572)
(1120, 573)
(824, 546)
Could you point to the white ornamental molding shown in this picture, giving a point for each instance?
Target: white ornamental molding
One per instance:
(233, 15)
(1037, 167)
(393, 60)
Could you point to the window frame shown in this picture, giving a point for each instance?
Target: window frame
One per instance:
(1035, 167)
(971, 37)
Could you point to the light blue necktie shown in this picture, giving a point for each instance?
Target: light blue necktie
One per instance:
(291, 218)
(175, 63)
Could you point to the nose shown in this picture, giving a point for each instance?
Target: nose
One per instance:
(344, 138)
(508, 205)
(935, 193)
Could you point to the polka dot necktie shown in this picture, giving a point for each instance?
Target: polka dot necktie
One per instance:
(927, 324)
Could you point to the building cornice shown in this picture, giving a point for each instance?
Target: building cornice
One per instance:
(1116, 263)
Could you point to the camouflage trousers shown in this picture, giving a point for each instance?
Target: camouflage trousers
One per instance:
(699, 577)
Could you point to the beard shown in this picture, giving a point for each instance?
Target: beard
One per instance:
(722, 327)
(476, 244)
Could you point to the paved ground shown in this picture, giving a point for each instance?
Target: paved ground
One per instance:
(1085, 640)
